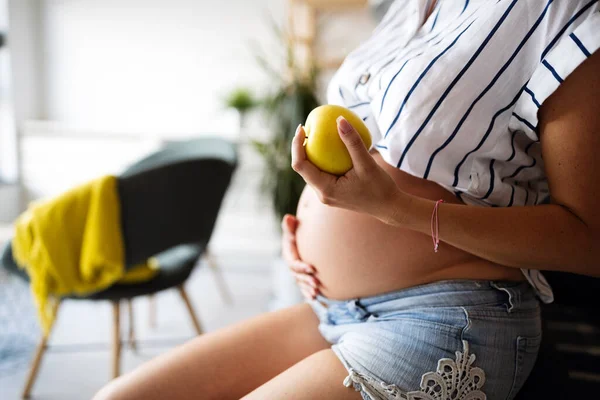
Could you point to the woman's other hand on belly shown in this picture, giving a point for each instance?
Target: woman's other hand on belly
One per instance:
(303, 272)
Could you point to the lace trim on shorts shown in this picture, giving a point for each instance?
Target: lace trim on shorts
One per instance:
(453, 380)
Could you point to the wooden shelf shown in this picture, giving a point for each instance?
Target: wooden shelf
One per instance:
(308, 11)
(330, 64)
(305, 40)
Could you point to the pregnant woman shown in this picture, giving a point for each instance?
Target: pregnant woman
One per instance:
(421, 264)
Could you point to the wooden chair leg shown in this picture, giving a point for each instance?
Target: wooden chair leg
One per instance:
(220, 280)
(152, 311)
(116, 345)
(190, 309)
(132, 342)
(39, 353)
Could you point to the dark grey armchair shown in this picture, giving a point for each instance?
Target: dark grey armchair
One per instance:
(169, 204)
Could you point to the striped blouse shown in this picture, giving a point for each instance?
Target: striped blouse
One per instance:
(454, 99)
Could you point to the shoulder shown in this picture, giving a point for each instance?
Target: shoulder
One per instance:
(576, 100)
(570, 50)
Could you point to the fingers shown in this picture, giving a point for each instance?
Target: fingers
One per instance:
(309, 291)
(306, 279)
(354, 143)
(289, 223)
(308, 284)
(311, 174)
(289, 250)
(288, 241)
(301, 267)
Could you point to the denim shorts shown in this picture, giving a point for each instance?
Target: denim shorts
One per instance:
(445, 340)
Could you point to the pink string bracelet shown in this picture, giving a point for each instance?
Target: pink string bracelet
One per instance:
(435, 226)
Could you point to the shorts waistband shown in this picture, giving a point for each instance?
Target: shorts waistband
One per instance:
(446, 293)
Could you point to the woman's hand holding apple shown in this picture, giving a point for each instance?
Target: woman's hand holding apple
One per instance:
(365, 188)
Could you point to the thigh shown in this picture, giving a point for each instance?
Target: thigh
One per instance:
(226, 364)
(318, 376)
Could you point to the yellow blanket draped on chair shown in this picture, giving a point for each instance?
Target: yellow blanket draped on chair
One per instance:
(73, 245)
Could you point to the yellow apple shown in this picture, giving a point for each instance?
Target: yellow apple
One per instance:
(324, 147)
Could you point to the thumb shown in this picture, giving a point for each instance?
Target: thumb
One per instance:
(354, 143)
(289, 224)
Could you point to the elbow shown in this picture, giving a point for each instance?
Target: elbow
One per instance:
(584, 257)
(587, 261)
(590, 269)
(593, 262)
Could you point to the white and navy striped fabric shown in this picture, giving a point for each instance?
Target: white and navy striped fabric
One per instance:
(454, 99)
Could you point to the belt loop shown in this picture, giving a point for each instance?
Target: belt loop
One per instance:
(357, 310)
(514, 296)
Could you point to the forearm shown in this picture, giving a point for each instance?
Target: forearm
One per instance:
(547, 237)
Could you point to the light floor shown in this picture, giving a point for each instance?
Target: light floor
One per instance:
(77, 363)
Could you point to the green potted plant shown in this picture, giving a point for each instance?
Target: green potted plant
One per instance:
(287, 105)
(242, 100)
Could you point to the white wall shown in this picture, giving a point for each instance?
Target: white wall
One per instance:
(7, 130)
(159, 65)
(143, 67)
(163, 65)
(21, 91)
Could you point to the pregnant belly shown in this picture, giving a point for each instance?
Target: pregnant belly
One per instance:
(356, 255)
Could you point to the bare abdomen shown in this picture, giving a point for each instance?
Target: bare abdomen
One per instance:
(356, 255)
